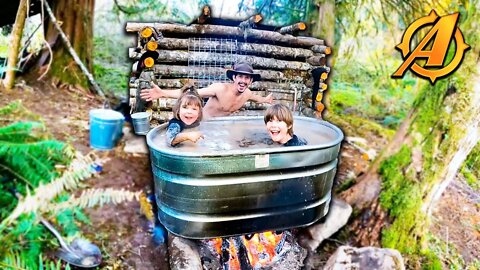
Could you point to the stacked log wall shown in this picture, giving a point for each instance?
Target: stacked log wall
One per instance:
(284, 62)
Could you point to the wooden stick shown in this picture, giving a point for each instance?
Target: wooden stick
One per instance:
(321, 49)
(92, 81)
(290, 29)
(206, 14)
(221, 30)
(250, 48)
(256, 86)
(14, 47)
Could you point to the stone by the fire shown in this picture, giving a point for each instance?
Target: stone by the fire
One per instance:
(337, 217)
(371, 258)
(183, 254)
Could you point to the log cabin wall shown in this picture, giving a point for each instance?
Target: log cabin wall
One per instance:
(170, 54)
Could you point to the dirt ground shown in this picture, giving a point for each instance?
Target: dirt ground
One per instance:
(122, 232)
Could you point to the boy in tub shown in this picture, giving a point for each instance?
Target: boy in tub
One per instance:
(187, 113)
(279, 121)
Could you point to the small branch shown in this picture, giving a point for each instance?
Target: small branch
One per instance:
(17, 175)
(92, 81)
(49, 61)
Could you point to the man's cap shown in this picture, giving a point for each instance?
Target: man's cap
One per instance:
(243, 68)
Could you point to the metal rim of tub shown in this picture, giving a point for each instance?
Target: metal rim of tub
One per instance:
(244, 160)
(172, 151)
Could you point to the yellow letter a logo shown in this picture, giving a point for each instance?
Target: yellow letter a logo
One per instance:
(439, 36)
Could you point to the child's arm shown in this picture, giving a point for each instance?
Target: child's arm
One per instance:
(175, 136)
(192, 136)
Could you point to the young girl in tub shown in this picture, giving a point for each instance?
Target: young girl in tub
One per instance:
(279, 121)
(187, 114)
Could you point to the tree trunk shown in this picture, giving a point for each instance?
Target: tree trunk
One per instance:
(14, 48)
(76, 17)
(425, 156)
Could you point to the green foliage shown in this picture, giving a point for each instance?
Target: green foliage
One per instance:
(368, 92)
(471, 168)
(112, 65)
(431, 261)
(113, 80)
(449, 255)
(402, 197)
(356, 126)
(25, 148)
(27, 158)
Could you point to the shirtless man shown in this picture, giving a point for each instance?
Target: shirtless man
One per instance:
(224, 98)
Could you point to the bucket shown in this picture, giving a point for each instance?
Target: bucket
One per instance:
(105, 128)
(141, 122)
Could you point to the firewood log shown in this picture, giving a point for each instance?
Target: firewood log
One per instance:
(290, 29)
(228, 46)
(321, 49)
(196, 29)
(317, 60)
(212, 58)
(250, 22)
(175, 71)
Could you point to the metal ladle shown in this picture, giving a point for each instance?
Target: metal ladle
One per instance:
(80, 253)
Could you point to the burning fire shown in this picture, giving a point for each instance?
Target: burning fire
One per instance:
(256, 251)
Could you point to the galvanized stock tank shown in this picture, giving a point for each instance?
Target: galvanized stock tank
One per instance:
(237, 181)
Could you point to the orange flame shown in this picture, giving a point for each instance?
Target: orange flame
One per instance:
(260, 249)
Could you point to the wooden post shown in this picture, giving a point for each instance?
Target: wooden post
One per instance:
(13, 49)
(205, 16)
(250, 21)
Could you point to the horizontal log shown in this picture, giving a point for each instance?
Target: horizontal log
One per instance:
(256, 86)
(230, 46)
(176, 71)
(162, 116)
(196, 29)
(321, 49)
(162, 104)
(250, 105)
(219, 58)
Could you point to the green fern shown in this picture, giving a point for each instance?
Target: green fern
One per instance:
(15, 112)
(21, 132)
(96, 197)
(29, 159)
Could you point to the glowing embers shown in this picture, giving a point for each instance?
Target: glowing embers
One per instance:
(253, 251)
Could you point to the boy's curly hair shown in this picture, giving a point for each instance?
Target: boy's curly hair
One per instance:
(282, 113)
